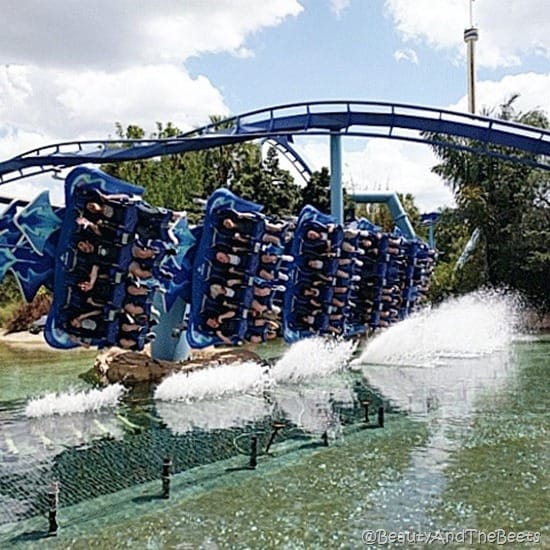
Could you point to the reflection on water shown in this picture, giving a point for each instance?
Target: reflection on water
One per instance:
(464, 446)
(446, 397)
(438, 365)
(97, 442)
(219, 414)
(450, 389)
(312, 406)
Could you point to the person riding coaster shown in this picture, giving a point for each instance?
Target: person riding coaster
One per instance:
(135, 331)
(105, 253)
(108, 208)
(227, 326)
(102, 231)
(90, 324)
(153, 223)
(235, 291)
(261, 330)
(248, 225)
(223, 255)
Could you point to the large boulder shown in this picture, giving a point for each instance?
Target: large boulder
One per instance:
(131, 367)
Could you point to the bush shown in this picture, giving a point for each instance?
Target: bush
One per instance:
(26, 313)
(9, 291)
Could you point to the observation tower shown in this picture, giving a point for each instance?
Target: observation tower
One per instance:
(471, 35)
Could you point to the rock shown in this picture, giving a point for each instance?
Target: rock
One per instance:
(131, 367)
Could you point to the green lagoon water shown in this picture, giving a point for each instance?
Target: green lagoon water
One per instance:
(464, 446)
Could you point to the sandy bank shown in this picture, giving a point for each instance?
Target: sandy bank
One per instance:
(26, 340)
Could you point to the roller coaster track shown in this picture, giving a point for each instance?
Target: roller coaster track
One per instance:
(283, 145)
(524, 144)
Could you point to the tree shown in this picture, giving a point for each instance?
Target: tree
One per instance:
(171, 181)
(174, 181)
(317, 190)
(270, 185)
(317, 193)
(452, 236)
(509, 203)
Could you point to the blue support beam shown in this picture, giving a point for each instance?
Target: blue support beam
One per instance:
(170, 343)
(394, 205)
(336, 190)
(430, 219)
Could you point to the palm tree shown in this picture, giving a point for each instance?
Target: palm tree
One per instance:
(502, 199)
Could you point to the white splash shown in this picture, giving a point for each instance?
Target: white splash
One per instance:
(312, 357)
(74, 402)
(306, 359)
(212, 382)
(470, 326)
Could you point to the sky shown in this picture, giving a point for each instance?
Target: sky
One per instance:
(72, 69)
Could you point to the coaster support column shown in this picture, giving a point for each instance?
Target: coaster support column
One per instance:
(170, 343)
(336, 190)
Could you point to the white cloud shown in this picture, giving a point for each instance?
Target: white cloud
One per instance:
(338, 7)
(531, 87)
(406, 54)
(384, 165)
(389, 165)
(508, 31)
(74, 104)
(150, 93)
(15, 141)
(112, 35)
(29, 188)
(70, 70)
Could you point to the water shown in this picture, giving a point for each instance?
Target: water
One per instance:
(465, 443)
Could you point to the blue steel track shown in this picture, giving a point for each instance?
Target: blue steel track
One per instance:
(524, 144)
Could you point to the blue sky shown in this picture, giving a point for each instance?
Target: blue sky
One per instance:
(83, 66)
(320, 56)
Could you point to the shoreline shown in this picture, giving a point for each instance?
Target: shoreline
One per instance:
(24, 340)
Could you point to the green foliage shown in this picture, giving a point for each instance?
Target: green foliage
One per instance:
(452, 235)
(268, 184)
(9, 290)
(317, 191)
(509, 203)
(175, 181)
(171, 181)
(10, 298)
(15, 313)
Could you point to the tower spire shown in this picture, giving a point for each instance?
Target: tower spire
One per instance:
(470, 37)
